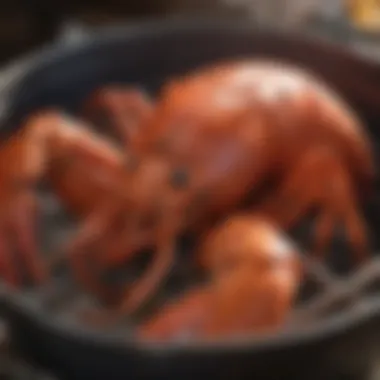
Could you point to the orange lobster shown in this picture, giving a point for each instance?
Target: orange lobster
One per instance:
(254, 274)
(213, 138)
(218, 135)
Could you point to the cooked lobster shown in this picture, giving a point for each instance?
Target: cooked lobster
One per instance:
(223, 133)
(212, 139)
(254, 273)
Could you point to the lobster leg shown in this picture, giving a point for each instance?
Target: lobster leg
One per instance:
(120, 109)
(17, 234)
(324, 229)
(320, 180)
(93, 230)
(24, 157)
(120, 250)
(97, 234)
(134, 296)
(22, 222)
(144, 288)
(7, 267)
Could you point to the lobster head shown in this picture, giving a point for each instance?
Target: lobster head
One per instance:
(155, 196)
(153, 220)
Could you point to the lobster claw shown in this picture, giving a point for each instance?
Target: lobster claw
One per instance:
(254, 293)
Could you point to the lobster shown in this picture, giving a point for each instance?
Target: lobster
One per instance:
(222, 133)
(254, 273)
(211, 139)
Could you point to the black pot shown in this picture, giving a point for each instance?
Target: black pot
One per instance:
(147, 54)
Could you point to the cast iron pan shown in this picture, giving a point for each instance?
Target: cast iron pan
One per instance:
(146, 55)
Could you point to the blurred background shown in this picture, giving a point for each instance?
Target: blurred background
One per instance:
(26, 24)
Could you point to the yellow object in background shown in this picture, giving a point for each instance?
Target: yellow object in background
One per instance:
(365, 14)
